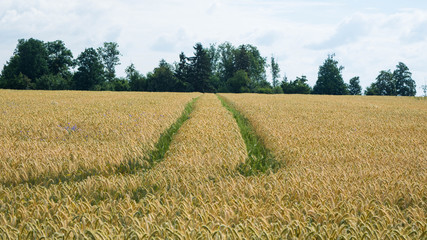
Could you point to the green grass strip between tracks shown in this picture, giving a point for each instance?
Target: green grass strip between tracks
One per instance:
(260, 159)
(161, 147)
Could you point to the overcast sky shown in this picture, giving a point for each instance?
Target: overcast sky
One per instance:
(366, 35)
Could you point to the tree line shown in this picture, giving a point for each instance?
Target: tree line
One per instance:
(224, 68)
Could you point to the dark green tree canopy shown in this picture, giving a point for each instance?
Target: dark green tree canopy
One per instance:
(372, 90)
(137, 82)
(35, 62)
(28, 62)
(275, 70)
(249, 59)
(385, 84)
(239, 83)
(210, 69)
(214, 56)
(9, 75)
(329, 80)
(32, 58)
(90, 72)
(402, 78)
(162, 79)
(226, 67)
(398, 83)
(110, 57)
(241, 59)
(201, 69)
(299, 86)
(53, 82)
(182, 74)
(60, 59)
(218, 68)
(354, 87)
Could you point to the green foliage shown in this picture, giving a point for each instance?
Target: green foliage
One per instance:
(90, 72)
(248, 58)
(182, 74)
(372, 90)
(354, 87)
(60, 59)
(28, 63)
(200, 70)
(21, 82)
(275, 70)
(329, 79)
(214, 56)
(258, 64)
(109, 54)
(385, 83)
(10, 73)
(119, 84)
(277, 90)
(264, 90)
(263, 87)
(299, 86)
(52, 82)
(214, 69)
(402, 77)
(260, 159)
(226, 68)
(32, 58)
(239, 82)
(47, 66)
(137, 82)
(162, 79)
(241, 58)
(398, 83)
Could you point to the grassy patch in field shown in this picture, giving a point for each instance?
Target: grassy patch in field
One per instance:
(161, 147)
(131, 166)
(260, 159)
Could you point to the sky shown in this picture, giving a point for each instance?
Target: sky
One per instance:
(366, 36)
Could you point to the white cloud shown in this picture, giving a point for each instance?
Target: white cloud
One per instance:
(348, 31)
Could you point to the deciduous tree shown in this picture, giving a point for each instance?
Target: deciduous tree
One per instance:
(137, 82)
(385, 84)
(354, 87)
(60, 58)
(90, 72)
(110, 57)
(329, 80)
(298, 86)
(29, 62)
(239, 82)
(275, 70)
(402, 78)
(162, 79)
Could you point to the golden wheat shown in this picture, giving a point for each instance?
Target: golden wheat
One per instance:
(46, 134)
(349, 174)
(353, 162)
(207, 148)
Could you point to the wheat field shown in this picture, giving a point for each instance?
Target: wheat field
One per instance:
(48, 135)
(355, 167)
